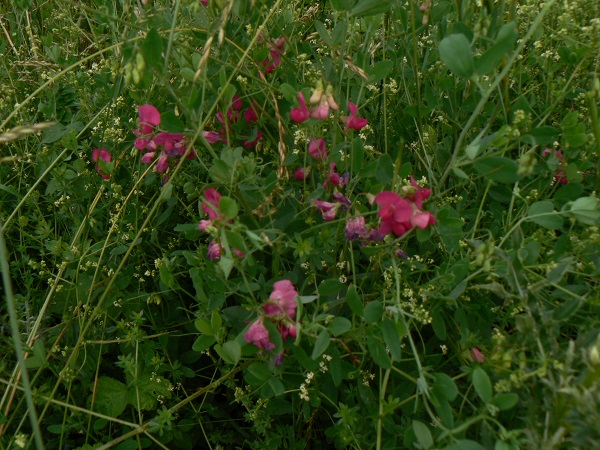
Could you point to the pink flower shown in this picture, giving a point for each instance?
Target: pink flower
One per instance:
(274, 59)
(213, 137)
(355, 228)
(149, 118)
(288, 329)
(147, 158)
(258, 335)
(301, 173)
(316, 148)
(282, 300)
(352, 121)
(204, 224)
(210, 205)
(335, 178)
(559, 163)
(204, 2)
(329, 210)
(477, 355)
(300, 114)
(104, 155)
(214, 251)
(399, 215)
(163, 163)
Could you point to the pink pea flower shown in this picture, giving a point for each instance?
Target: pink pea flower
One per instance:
(214, 251)
(204, 2)
(301, 173)
(282, 300)
(559, 173)
(213, 137)
(300, 114)
(288, 329)
(352, 121)
(210, 205)
(274, 59)
(335, 178)
(204, 224)
(316, 148)
(394, 212)
(104, 155)
(477, 355)
(355, 228)
(328, 210)
(149, 118)
(258, 335)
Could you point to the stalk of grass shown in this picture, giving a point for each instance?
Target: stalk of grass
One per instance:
(18, 344)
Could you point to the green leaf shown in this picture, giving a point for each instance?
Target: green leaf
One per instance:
(392, 338)
(384, 170)
(423, 434)
(482, 384)
(204, 327)
(465, 444)
(230, 351)
(323, 33)
(149, 386)
(330, 287)
(188, 74)
(378, 352)
(498, 168)
(152, 49)
(585, 209)
(111, 397)
(321, 344)
(505, 401)
(228, 207)
(507, 36)
(449, 226)
(373, 311)
(358, 155)
(339, 325)
(366, 8)
(354, 301)
(543, 214)
(380, 70)
(203, 342)
(257, 373)
(455, 52)
(226, 264)
(445, 386)
(541, 135)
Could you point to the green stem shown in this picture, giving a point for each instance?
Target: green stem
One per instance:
(18, 344)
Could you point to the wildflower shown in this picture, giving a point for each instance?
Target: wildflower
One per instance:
(477, 355)
(282, 300)
(355, 228)
(335, 178)
(149, 118)
(341, 198)
(325, 101)
(210, 205)
(399, 215)
(104, 155)
(274, 59)
(288, 329)
(352, 121)
(316, 148)
(258, 335)
(300, 114)
(205, 224)
(213, 137)
(301, 173)
(214, 251)
(329, 210)
(559, 163)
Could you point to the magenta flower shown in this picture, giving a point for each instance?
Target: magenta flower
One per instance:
(335, 178)
(329, 210)
(316, 148)
(274, 59)
(356, 228)
(477, 355)
(204, 224)
(288, 329)
(301, 173)
(213, 137)
(214, 251)
(104, 155)
(210, 205)
(282, 300)
(559, 173)
(300, 114)
(258, 335)
(399, 215)
(352, 121)
(149, 118)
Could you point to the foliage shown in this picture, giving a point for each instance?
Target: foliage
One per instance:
(277, 224)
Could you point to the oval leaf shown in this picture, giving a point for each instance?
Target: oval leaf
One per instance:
(455, 52)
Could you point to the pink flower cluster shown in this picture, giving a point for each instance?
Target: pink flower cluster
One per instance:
(104, 155)
(560, 175)
(170, 146)
(233, 116)
(274, 59)
(397, 214)
(210, 206)
(279, 309)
